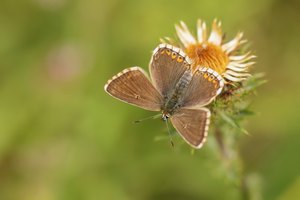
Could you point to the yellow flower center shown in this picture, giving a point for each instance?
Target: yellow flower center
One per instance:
(208, 55)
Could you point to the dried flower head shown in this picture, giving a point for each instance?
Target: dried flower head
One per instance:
(211, 51)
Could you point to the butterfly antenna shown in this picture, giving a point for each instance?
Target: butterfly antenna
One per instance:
(171, 140)
(151, 117)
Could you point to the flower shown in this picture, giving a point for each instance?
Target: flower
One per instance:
(211, 51)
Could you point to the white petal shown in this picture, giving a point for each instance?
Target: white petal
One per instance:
(232, 48)
(204, 33)
(167, 40)
(237, 74)
(243, 41)
(240, 57)
(186, 31)
(232, 78)
(233, 44)
(245, 59)
(164, 40)
(184, 34)
(216, 34)
(201, 31)
(236, 69)
(184, 38)
(241, 65)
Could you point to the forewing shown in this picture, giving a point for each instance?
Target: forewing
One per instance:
(192, 125)
(167, 65)
(205, 85)
(132, 86)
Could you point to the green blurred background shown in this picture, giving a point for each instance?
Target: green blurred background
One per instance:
(63, 137)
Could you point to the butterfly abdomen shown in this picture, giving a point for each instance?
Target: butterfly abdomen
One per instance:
(174, 99)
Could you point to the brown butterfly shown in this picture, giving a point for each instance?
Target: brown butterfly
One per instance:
(176, 90)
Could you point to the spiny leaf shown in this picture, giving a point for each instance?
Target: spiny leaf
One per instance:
(246, 112)
(254, 82)
(231, 121)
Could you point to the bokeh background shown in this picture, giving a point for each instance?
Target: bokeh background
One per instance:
(63, 137)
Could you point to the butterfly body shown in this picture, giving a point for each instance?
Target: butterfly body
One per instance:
(174, 100)
(175, 90)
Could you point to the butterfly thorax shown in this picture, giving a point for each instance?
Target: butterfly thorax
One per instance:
(175, 97)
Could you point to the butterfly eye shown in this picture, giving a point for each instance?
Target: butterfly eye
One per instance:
(179, 59)
(174, 55)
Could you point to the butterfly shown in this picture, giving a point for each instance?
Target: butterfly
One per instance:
(176, 89)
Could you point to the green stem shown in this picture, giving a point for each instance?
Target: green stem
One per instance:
(232, 163)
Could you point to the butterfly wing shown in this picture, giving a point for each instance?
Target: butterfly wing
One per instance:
(132, 86)
(192, 125)
(205, 85)
(167, 65)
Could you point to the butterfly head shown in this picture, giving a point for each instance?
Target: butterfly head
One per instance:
(165, 116)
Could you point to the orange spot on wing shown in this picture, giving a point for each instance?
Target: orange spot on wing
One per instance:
(168, 51)
(205, 75)
(174, 55)
(179, 59)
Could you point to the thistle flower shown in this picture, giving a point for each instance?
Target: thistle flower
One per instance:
(232, 106)
(211, 51)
